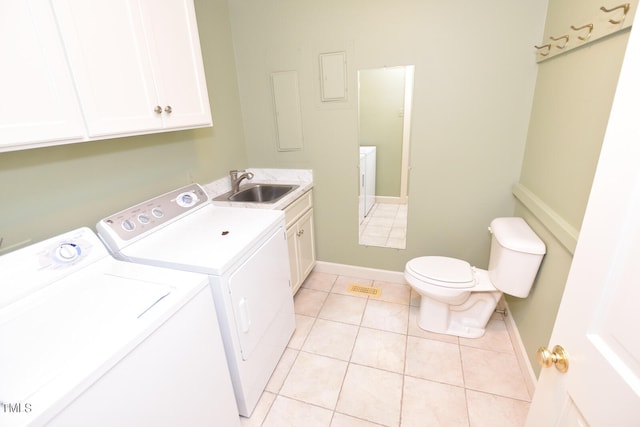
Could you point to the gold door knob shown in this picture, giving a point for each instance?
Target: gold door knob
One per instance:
(557, 357)
(158, 109)
(168, 109)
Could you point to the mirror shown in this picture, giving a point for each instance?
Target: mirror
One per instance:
(384, 122)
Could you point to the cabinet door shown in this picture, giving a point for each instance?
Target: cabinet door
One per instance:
(38, 101)
(107, 51)
(174, 46)
(137, 64)
(292, 243)
(306, 245)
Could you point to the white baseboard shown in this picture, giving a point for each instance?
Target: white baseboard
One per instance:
(363, 272)
(521, 353)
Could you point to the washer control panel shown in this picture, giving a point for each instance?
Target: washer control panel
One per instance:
(32, 268)
(72, 248)
(145, 216)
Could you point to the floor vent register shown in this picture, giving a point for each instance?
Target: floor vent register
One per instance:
(365, 290)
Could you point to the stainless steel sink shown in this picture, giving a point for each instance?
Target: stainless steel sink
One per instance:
(258, 193)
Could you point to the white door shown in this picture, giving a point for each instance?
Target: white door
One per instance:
(260, 293)
(600, 310)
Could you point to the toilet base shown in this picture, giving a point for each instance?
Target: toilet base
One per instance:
(467, 320)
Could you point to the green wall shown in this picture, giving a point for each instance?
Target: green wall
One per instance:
(47, 191)
(573, 97)
(474, 80)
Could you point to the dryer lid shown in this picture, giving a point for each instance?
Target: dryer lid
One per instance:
(451, 272)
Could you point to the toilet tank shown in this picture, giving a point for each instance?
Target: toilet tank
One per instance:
(516, 254)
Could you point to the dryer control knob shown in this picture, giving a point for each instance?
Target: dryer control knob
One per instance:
(128, 225)
(157, 212)
(187, 199)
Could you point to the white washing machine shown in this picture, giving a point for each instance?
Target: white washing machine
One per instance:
(244, 253)
(87, 340)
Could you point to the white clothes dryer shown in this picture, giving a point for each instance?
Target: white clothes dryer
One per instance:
(244, 253)
(87, 340)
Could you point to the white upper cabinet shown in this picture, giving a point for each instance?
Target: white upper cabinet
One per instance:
(39, 106)
(137, 64)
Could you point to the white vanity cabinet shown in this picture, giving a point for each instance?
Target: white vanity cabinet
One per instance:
(39, 106)
(136, 64)
(300, 238)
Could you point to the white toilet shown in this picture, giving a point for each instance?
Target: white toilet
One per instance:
(458, 299)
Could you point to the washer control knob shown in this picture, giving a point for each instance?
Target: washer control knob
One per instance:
(143, 219)
(67, 252)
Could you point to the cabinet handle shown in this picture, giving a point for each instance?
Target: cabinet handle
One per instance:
(300, 233)
(158, 109)
(168, 109)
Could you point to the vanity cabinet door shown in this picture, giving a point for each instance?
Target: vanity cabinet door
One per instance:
(137, 64)
(38, 105)
(292, 243)
(306, 245)
(302, 253)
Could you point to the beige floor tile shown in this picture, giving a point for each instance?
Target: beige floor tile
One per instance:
(308, 302)
(303, 326)
(394, 292)
(332, 339)
(399, 242)
(344, 366)
(371, 394)
(428, 403)
(488, 410)
(386, 316)
(319, 281)
(493, 372)
(380, 349)
(495, 338)
(417, 331)
(343, 308)
(315, 379)
(260, 412)
(434, 360)
(375, 236)
(292, 413)
(342, 420)
(282, 370)
(342, 284)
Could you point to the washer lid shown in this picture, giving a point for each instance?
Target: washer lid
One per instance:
(454, 273)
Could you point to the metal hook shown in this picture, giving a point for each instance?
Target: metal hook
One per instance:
(546, 46)
(626, 10)
(566, 40)
(589, 26)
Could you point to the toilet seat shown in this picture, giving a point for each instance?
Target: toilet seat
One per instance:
(442, 271)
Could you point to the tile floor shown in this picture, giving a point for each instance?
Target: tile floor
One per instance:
(385, 225)
(363, 361)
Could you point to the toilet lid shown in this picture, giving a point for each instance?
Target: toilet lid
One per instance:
(450, 272)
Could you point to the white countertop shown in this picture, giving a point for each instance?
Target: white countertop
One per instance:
(303, 178)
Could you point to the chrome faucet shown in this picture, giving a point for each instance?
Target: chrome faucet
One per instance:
(236, 177)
